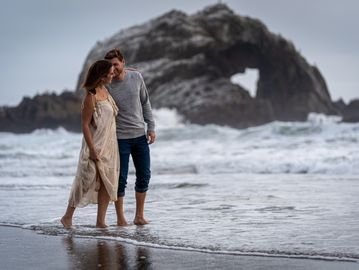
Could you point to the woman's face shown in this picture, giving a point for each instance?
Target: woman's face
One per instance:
(109, 76)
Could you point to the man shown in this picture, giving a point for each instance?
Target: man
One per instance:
(130, 94)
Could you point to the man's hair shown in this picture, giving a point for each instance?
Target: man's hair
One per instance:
(114, 53)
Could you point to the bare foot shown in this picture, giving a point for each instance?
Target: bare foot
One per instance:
(122, 222)
(140, 221)
(101, 225)
(66, 222)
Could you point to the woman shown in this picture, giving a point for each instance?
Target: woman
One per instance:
(97, 174)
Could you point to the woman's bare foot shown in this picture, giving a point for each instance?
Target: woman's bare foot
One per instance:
(101, 225)
(140, 221)
(66, 222)
(122, 222)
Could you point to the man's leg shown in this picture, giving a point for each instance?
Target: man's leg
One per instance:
(121, 220)
(140, 208)
(141, 159)
(124, 147)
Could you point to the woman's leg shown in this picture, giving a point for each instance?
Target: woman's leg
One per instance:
(66, 220)
(103, 201)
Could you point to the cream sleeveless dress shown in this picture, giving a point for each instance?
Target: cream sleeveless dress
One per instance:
(104, 138)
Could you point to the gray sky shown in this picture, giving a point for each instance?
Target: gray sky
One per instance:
(44, 42)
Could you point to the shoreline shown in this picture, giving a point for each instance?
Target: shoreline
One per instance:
(27, 249)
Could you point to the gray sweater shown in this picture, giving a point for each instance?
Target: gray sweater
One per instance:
(134, 106)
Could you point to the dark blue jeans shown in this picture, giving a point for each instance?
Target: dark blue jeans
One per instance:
(140, 152)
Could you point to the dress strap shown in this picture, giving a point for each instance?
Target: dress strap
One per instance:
(94, 101)
(113, 104)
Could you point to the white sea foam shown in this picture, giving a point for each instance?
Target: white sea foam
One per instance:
(320, 145)
(167, 118)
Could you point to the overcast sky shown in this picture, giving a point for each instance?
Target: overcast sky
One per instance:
(45, 42)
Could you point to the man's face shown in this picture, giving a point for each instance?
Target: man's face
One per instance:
(118, 67)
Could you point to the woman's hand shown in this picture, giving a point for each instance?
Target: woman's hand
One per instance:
(94, 155)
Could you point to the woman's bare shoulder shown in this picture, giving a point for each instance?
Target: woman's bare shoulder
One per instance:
(89, 101)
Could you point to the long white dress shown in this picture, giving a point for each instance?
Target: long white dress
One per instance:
(104, 138)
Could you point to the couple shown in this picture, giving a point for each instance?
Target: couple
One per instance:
(113, 125)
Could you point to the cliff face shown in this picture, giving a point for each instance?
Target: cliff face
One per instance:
(351, 111)
(187, 62)
(43, 111)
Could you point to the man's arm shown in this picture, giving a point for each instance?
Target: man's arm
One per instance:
(147, 112)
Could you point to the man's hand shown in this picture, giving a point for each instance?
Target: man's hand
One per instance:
(151, 137)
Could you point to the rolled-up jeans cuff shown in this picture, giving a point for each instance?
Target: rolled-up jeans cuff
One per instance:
(141, 190)
(120, 194)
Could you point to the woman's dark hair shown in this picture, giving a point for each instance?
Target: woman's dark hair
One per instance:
(114, 53)
(95, 73)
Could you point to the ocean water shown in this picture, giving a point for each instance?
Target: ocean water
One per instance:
(281, 189)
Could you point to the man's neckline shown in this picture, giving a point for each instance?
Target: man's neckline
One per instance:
(124, 77)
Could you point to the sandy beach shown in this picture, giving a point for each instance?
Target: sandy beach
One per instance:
(26, 249)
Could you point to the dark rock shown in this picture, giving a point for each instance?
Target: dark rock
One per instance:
(339, 105)
(351, 112)
(187, 62)
(43, 111)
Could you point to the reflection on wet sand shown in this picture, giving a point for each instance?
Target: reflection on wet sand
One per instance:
(105, 255)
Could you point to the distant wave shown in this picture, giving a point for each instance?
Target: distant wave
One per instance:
(321, 145)
(46, 131)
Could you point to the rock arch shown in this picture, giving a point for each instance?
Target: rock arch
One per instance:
(187, 62)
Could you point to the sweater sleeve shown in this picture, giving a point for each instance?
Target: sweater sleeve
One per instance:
(146, 106)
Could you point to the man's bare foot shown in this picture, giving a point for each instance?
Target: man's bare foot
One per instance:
(101, 225)
(66, 222)
(122, 222)
(140, 221)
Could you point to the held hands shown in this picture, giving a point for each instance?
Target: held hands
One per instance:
(94, 155)
(151, 137)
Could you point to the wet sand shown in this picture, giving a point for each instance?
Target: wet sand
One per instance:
(26, 249)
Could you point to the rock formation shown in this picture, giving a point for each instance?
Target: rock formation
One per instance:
(187, 62)
(350, 112)
(43, 111)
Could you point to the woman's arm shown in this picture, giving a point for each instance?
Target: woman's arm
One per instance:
(87, 113)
